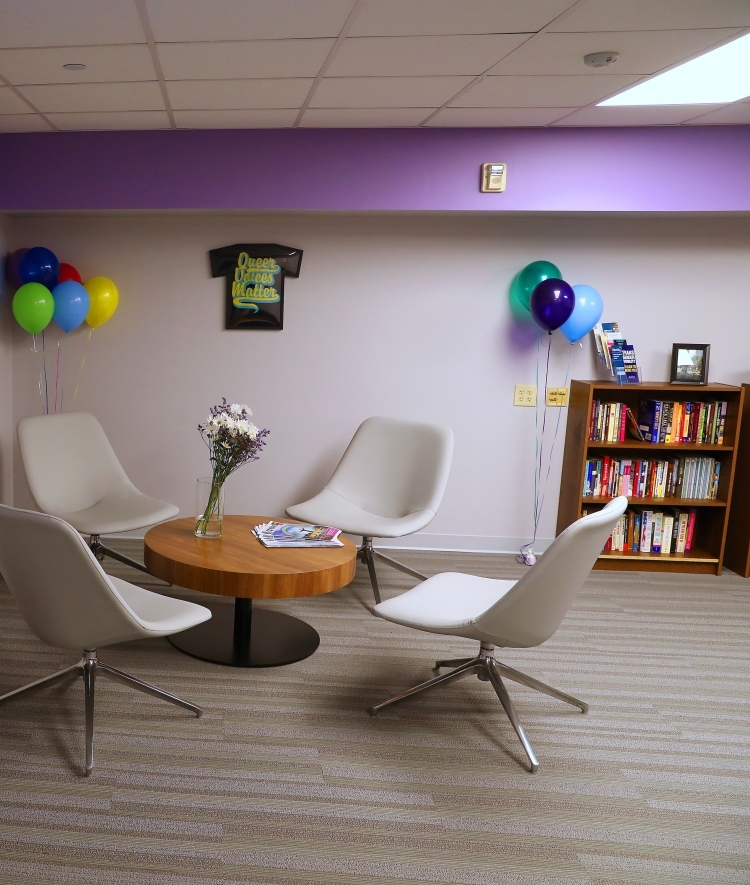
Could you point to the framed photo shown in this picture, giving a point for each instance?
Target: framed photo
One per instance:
(689, 364)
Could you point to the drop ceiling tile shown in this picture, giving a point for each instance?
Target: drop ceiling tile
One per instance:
(541, 92)
(68, 23)
(386, 92)
(489, 117)
(360, 118)
(104, 64)
(652, 115)
(238, 94)
(188, 21)
(252, 119)
(653, 15)
(641, 53)
(87, 97)
(398, 18)
(736, 114)
(421, 56)
(22, 123)
(106, 120)
(10, 103)
(243, 60)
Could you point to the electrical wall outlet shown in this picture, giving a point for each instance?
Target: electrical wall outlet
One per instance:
(557, 396)
(525, 395)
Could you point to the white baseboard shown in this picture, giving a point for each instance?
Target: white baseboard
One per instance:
(461, 543)
(426, 541)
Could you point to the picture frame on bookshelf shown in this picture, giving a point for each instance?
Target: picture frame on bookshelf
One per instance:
(689, 364)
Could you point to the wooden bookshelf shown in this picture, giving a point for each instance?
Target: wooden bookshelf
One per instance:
(707, 553)
(737, 550)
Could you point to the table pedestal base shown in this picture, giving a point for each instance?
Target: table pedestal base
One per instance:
(241, 636)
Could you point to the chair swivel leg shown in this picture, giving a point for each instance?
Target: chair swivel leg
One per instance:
(524, 679)
(466, 669)
(452, 662)
(89, 683)
(502, 693)
(147, 688)
(100, 551)
(75, 669)
(366, 556)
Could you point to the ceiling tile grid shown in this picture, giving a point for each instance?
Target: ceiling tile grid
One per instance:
(154, 64)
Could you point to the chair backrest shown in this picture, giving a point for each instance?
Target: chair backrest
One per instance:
(68, 460)
(393, 467)
(63, 593)
(535, 607)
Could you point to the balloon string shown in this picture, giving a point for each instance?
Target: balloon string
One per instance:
(80, 371)
(57, 373)
(46, 389)
(554, 438)
(537, 506)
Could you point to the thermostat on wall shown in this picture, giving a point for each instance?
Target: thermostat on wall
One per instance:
(493, 177)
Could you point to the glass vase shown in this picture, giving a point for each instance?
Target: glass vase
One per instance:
(209, 508)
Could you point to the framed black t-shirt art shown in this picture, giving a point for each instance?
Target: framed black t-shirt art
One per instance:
(255, 275)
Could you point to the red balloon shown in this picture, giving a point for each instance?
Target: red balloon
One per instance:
(68, 272)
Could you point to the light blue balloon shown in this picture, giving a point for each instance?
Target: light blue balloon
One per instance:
(587, 312)
(71, 305)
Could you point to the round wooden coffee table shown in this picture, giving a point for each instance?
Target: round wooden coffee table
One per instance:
(238, 565)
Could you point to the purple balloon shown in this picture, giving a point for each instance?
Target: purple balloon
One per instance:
(13, 268)
(552, 303)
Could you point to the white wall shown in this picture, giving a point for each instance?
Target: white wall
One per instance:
(395, 315)
(6, 373)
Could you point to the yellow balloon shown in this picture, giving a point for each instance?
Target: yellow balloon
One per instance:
(103, 299)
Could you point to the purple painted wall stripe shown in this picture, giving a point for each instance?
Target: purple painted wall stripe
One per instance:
(669, 169)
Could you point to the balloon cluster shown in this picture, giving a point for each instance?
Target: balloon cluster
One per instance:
(554, 304)
(47, 290)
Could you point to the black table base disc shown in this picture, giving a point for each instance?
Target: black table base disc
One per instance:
(241, 636)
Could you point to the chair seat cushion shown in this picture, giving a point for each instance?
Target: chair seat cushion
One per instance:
(121, 511)
(159, 615)
(446, 603)
(331, 508)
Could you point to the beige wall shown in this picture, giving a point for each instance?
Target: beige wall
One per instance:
(6, 373)
(405, 316)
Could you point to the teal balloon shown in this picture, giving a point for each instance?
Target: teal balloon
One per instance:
(587, 312)
(33, 306)
(531, 276)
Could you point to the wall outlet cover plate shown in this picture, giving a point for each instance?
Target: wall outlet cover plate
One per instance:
(557, 396)
(525, 395)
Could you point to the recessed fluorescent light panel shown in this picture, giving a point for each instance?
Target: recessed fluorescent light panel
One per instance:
(718, 77)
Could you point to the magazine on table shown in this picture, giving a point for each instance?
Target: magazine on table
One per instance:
(294, 534)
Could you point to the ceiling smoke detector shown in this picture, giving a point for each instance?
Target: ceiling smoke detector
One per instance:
(600, 59)
(76, 66)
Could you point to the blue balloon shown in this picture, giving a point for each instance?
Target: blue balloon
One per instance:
(39, 265)
(587, 312)
(71, 305)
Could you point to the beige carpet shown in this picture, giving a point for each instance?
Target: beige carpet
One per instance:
(286, 779)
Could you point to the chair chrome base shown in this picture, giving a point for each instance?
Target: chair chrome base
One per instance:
(367, 554)
(88, 667)
(100, 551)
(487, 669)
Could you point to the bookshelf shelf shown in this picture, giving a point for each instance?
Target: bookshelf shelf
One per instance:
(712, 515)
(658, 502)
(675, 448)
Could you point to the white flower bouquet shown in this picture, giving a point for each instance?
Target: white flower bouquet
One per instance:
(232, 441)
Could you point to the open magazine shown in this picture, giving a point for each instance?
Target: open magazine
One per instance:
(294, 534)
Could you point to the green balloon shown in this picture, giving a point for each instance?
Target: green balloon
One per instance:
(33, 306)
(531, 276)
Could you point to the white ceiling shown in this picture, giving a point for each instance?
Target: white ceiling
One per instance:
(252, 64)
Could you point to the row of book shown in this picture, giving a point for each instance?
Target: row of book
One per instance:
(667, 422)
(681, 422)
(649, 531)
(690, 478)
